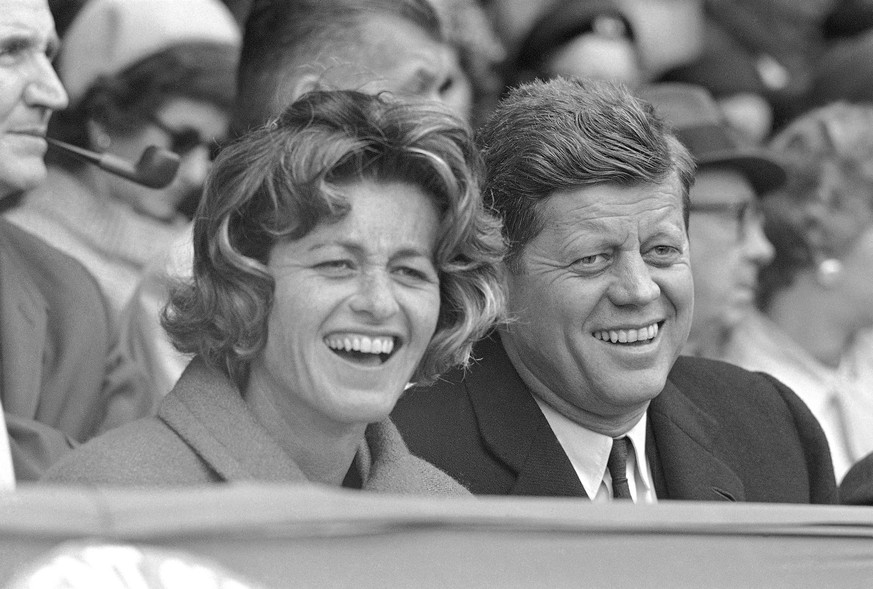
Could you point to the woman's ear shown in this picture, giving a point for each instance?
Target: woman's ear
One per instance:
(98, 138)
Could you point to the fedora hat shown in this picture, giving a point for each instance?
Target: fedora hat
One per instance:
(695, 118)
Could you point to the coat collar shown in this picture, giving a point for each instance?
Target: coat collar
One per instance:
(207, 411)
(23, 319)
(515, 430)
(685, 439)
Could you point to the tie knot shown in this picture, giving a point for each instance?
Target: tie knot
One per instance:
(617, 466)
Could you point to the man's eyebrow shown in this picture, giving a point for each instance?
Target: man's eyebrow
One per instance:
(29, 39)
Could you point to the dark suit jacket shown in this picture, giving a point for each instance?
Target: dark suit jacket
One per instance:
(857, 486)
(716, 432)
(63, 381)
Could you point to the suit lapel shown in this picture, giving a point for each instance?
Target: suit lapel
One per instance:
(23, 319)
(514, 429)
(682, 456)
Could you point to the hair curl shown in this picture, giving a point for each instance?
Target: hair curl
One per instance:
(283, 179)
(564, 134)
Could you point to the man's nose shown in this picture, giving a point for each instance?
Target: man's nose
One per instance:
(45, 88)
(756, 245)
(375, 296)
(632, 283)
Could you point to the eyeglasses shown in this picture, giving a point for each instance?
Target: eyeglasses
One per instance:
(186, 139)
(745, 214)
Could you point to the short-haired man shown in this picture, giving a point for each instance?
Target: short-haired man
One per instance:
(583, 393)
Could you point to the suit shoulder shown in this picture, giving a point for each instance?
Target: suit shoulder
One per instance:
(689, 367)
(754, 411)
(51, 268)
(729, 390)
(693, 374)
(857, 485)
(34, 249)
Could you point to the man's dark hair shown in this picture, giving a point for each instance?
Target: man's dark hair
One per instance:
(564, 134)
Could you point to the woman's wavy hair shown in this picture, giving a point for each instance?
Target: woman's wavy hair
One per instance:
(282, 180)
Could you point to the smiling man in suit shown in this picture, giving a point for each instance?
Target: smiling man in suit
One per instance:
(583, 392)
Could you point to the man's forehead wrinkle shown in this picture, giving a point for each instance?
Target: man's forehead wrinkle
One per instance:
(596, 215)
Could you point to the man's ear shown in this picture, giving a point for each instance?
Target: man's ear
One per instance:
(293, 87)
(308, 82)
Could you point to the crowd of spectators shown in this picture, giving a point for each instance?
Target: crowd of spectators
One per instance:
(165, 307)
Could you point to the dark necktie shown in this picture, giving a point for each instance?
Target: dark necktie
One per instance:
(617, 466)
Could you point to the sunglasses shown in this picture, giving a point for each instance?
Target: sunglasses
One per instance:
(745, 214)
(184, 140)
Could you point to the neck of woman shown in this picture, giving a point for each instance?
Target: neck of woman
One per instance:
(322, 450)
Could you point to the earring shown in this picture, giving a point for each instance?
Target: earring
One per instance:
(828, 272)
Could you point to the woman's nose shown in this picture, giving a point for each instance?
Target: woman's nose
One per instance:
(375, 296)
(633, 284)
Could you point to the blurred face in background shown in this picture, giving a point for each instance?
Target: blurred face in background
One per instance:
(29, 91)
(728, 247)
(398, 56)
(187, 127)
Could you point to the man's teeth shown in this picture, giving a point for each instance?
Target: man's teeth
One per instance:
(361, 343)
(628, 336)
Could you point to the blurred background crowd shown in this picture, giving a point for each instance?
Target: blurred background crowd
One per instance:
(782, 213)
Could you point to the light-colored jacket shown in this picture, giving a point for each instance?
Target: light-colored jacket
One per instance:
(64, 380)
(205, 433)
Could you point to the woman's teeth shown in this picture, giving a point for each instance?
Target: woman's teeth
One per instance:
(628, 336)
(361, 343)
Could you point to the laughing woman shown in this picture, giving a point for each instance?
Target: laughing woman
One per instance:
(341, 252)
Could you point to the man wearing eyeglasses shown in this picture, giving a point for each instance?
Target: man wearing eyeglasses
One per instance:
(725, 231)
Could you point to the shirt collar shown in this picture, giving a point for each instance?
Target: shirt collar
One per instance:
(588, 451)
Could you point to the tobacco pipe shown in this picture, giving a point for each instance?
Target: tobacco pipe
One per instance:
(156, 167)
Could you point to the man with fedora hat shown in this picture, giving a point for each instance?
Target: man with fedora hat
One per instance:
(726, 232)
(583, 392)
